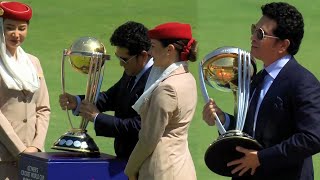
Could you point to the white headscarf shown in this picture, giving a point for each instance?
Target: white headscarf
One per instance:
(18, 74)
(156, 76)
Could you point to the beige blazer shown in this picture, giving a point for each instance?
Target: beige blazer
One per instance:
(24, 117)
(162, 151)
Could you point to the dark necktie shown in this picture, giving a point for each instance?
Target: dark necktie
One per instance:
(131, 83)
(257, 84)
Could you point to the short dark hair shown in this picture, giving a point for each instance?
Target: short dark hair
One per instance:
(289, 23)
(133, 36)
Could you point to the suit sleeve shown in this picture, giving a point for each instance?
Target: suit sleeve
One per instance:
(42, 112)
(9, 138)
(111, 126)
(232, 123)
(305, 142)
(163, 102)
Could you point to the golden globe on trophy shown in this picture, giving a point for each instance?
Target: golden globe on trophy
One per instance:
(86, 55)
(228, 69)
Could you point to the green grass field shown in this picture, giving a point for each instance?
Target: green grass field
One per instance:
(56, 24)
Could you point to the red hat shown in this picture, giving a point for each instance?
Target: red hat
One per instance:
(15, 10)
(171, 30)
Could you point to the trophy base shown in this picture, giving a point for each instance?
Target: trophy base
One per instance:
(77, 140)
(223, 151)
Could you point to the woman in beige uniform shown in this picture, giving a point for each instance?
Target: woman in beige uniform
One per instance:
(166, 107)
(24, 99)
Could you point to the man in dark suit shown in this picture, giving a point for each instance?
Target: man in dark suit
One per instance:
(285, 117)
(132, 43)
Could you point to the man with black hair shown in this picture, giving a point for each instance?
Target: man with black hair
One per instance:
(132, 43)
(285, 119)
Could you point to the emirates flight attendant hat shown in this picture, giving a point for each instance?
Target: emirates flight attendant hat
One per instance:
(171, 30)
(15, 10)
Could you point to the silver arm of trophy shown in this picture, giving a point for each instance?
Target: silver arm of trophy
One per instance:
(95, 77)
(65, 51)
(205, 95)
(244, 73)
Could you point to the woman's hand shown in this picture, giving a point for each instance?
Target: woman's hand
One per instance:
(31, 149)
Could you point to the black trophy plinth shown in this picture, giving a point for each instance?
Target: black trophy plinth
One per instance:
(223, 151)
(77, 141)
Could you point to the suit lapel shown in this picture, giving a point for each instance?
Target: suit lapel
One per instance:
(271, 98)
(139, 87)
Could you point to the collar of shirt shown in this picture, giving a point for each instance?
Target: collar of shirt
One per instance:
(145, 68)
(274, 68)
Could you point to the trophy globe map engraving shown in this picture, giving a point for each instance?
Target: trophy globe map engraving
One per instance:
(228, 69)
(86, 55)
